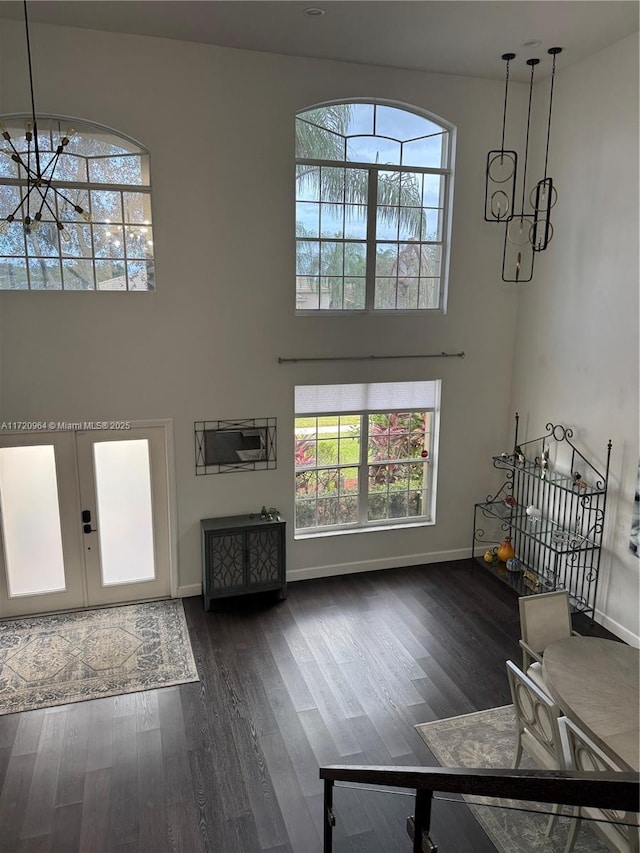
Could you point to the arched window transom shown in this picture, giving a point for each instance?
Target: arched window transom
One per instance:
(94, 232)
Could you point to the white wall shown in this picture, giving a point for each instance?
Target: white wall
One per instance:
(576, 355)
(220, 127)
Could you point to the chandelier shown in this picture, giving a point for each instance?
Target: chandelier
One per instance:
(38, 193)
(528, 228)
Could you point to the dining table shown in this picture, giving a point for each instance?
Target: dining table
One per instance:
(595, 682)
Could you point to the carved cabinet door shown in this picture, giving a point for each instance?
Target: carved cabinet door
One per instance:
(264, 549)
(226, 561)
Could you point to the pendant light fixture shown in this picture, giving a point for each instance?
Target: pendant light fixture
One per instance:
(502, 168)
(37, 191)
(528, 230)
(544, 194)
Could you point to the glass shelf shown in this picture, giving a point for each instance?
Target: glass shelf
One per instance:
(514, 579)
(548, 533)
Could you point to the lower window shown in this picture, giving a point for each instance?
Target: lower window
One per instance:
(359, 469)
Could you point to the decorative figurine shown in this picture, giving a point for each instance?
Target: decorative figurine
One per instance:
(490, 556)
(510, 502)
(271, 514)
(520, 457)
(531, 581)
(578, 482)
(514, 565)
(544, 462)
(534, 515)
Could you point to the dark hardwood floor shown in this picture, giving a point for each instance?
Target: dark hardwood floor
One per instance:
(338, 673)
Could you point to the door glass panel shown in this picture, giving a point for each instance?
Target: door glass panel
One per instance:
(31, 520)
(125, 520)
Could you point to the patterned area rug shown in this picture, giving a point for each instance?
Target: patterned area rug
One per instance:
(487, 739)
(70, 657)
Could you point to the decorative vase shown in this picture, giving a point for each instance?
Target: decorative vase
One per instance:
(505, 550)
(514, 565)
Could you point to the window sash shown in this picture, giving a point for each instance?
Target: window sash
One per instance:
(371, 241)
(130, 255)
(82, 185)
(363, 464)
(372, 167)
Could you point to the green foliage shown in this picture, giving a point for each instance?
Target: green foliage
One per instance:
(327, 490)
(323, 130)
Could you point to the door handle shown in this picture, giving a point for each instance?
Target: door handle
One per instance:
(88, 528)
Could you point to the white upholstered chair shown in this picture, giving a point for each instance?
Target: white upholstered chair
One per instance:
(537, 731)
(618, 830)
(544, 618)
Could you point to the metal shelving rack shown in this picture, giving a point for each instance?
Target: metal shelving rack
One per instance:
(559, 549)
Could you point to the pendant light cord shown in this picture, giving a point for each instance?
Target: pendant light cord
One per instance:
(532, 63)
(504, 112)
(507, 57)
(33, 104)
(553, 74)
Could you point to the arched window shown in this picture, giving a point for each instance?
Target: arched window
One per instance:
(86, 224)
(373, 188)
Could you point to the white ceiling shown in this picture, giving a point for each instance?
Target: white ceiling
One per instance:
(452, 37)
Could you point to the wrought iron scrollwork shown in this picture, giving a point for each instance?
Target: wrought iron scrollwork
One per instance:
(559, 432)
(505, 489)
(480, 535)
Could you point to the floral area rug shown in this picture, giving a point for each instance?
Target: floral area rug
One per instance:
(70, 657)
(487, 739)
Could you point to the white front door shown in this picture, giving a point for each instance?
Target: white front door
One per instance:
(123, 493)
(84, 519)
(41, 566)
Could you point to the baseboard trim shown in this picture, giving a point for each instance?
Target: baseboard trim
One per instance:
(189, 590)
(377, 565)
(616, 628)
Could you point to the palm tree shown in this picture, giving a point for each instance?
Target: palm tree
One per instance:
(320, 135)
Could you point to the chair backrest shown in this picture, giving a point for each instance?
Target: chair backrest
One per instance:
(536, 718)
(544, 618)
(581, 753)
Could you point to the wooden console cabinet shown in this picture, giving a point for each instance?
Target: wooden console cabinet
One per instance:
(242, 554)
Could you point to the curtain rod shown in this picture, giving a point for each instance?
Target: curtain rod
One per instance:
(373, 357)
